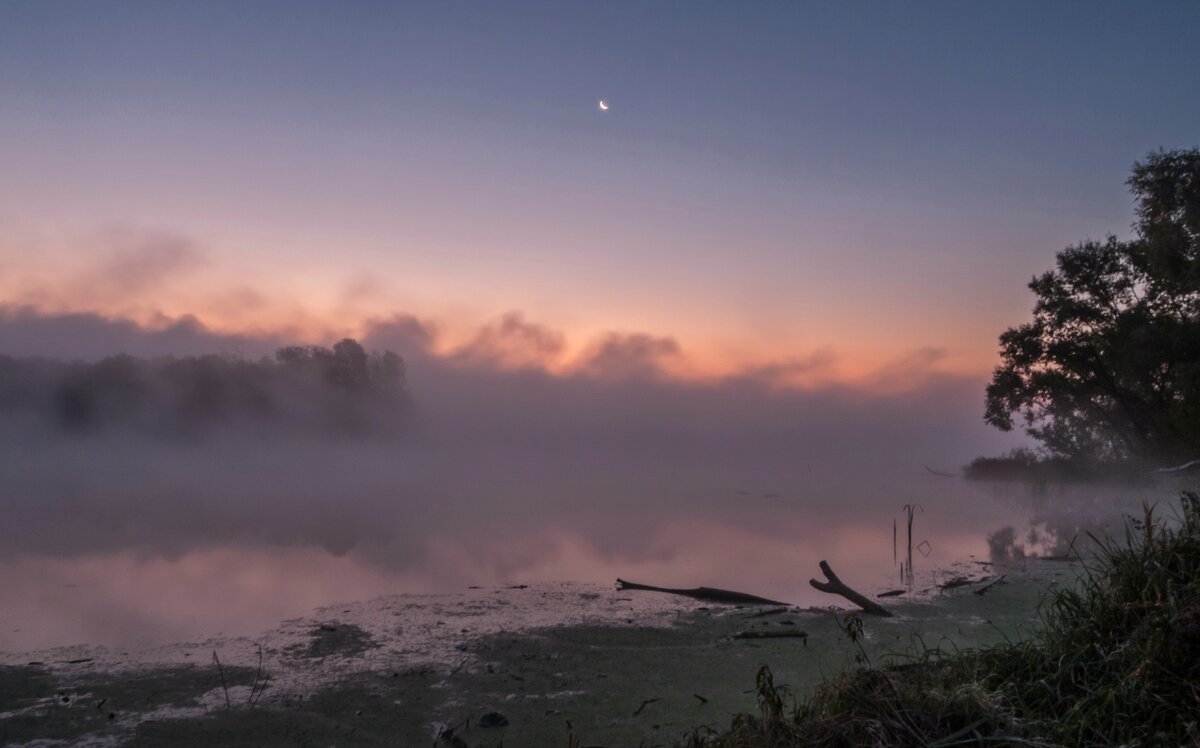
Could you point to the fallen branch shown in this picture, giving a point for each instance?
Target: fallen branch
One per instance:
(708, 594)
(1178, 468)
(957, 582)
(771, 612)
(836, 586)
(984, 588)
(645, 703)
(773, 634)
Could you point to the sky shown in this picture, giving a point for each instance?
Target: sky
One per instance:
(857, 182)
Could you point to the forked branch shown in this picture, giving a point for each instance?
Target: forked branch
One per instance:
(836, 586)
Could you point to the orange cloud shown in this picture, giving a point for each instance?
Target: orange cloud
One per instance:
(512, 343)
(155, 278)
(630, 356)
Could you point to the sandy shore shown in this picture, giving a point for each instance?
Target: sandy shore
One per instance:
(613, 668)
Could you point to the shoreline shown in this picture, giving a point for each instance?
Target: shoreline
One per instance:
(611, 667)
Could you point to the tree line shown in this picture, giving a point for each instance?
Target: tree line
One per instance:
(339, 390)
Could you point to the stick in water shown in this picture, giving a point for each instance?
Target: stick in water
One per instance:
(836, 586)
(708, 594)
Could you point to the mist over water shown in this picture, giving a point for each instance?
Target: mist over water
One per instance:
(502, 473)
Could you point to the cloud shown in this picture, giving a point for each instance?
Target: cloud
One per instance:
(402, 333)
(27, 331)
(790, 372)
(629, 356)
(361, 287)
(908, 371)
(133, 263)
(512, 343)
(241, 298)
(142, 259)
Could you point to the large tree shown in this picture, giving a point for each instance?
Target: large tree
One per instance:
(1109, 368)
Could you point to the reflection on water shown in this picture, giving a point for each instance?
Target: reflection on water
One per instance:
(127, 589)
(508, 477)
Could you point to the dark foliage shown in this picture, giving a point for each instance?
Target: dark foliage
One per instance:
(1116, 662)
(1027, 465)
(1109, 368)
(343, 390)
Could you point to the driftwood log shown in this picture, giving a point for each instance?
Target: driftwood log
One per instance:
(988, 586)
(957, 582)
(836, 586)
(708, 594)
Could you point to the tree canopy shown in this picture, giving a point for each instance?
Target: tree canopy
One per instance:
(1109, 367)
(304, 390)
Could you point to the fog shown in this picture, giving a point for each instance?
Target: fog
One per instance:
(495, 469)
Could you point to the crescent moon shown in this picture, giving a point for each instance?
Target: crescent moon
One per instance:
(603, 106)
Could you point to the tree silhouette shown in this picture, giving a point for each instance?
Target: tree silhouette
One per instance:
(1109, 368)
(305, 389)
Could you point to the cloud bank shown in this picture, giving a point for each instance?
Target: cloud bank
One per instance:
(611, 448)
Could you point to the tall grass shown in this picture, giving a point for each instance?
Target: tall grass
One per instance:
(1116, 661)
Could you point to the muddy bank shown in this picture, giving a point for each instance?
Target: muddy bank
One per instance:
(522, 666)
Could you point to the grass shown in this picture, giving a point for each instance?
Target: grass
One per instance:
(1116, 661)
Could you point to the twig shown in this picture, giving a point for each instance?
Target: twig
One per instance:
(773, 634)
(910, 509)
(446, 735)
(225, 687)
(644, 705)
(256, 687)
